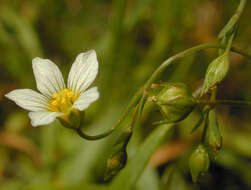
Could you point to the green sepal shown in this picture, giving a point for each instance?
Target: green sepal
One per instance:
(72, 120)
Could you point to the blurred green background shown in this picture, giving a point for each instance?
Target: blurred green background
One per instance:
(131, 39)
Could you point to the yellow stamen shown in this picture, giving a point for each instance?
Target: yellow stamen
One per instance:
(66, 90)
(62, 101)
(69, 94)
(54, 103)
(55, 95)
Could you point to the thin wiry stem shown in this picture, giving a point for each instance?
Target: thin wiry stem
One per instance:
(165, 64)
(95, 137)
(226, 102)
(156, 74)
(234, 19)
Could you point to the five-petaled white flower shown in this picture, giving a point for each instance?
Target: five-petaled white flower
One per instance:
(55, 99)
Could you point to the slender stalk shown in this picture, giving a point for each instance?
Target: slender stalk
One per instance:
(182, 54)
(234, 19)
(207, 107)
(239, 51)
(165, 64)
(226, 102)
(154, 77)
(204, 132)
(95, 137)
(225, 40)
(169, 61)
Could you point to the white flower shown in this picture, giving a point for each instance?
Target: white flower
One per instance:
(55, 99)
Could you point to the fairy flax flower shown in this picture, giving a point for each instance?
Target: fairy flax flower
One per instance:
(56, 99)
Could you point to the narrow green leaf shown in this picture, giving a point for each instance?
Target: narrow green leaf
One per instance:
(127, 178)
(173, 179)
(149, 179)
(167, 176)
(48, 134)
(25, 32)
(81, 186)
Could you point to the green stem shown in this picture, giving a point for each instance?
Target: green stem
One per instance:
(226, 102)
(95, 137)
(204, 132)
(169, 61)
(182, 54)
(239, 51)
(214, 93)
(231, 23)
(152, 78)
(229, 43)
(166, 63)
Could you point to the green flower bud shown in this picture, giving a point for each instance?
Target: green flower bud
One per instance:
(216, 72)
(115, 163)
(72, 119)
(215, 138)
(175, 102)
(199, 162)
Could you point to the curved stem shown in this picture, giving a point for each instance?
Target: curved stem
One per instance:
(169, 61)
(165, 64)
(154, 77)
(183, 54)
(95, 137)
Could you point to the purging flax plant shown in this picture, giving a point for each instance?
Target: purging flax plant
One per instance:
(174, 101)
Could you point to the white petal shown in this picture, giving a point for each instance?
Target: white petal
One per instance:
(28, 99)
(86, 98)
(83, 71)
(48, 76)
(43, 117)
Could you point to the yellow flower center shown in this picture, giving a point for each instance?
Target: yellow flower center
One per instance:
(62, 101)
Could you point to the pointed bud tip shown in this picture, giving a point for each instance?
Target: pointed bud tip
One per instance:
(199, 162)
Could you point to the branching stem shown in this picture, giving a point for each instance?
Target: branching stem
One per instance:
(156, 74)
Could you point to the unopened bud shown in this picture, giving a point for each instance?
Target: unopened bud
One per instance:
(215, 138)
(216, 72)
(115, 163)
(199, 162)
(175, 102)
